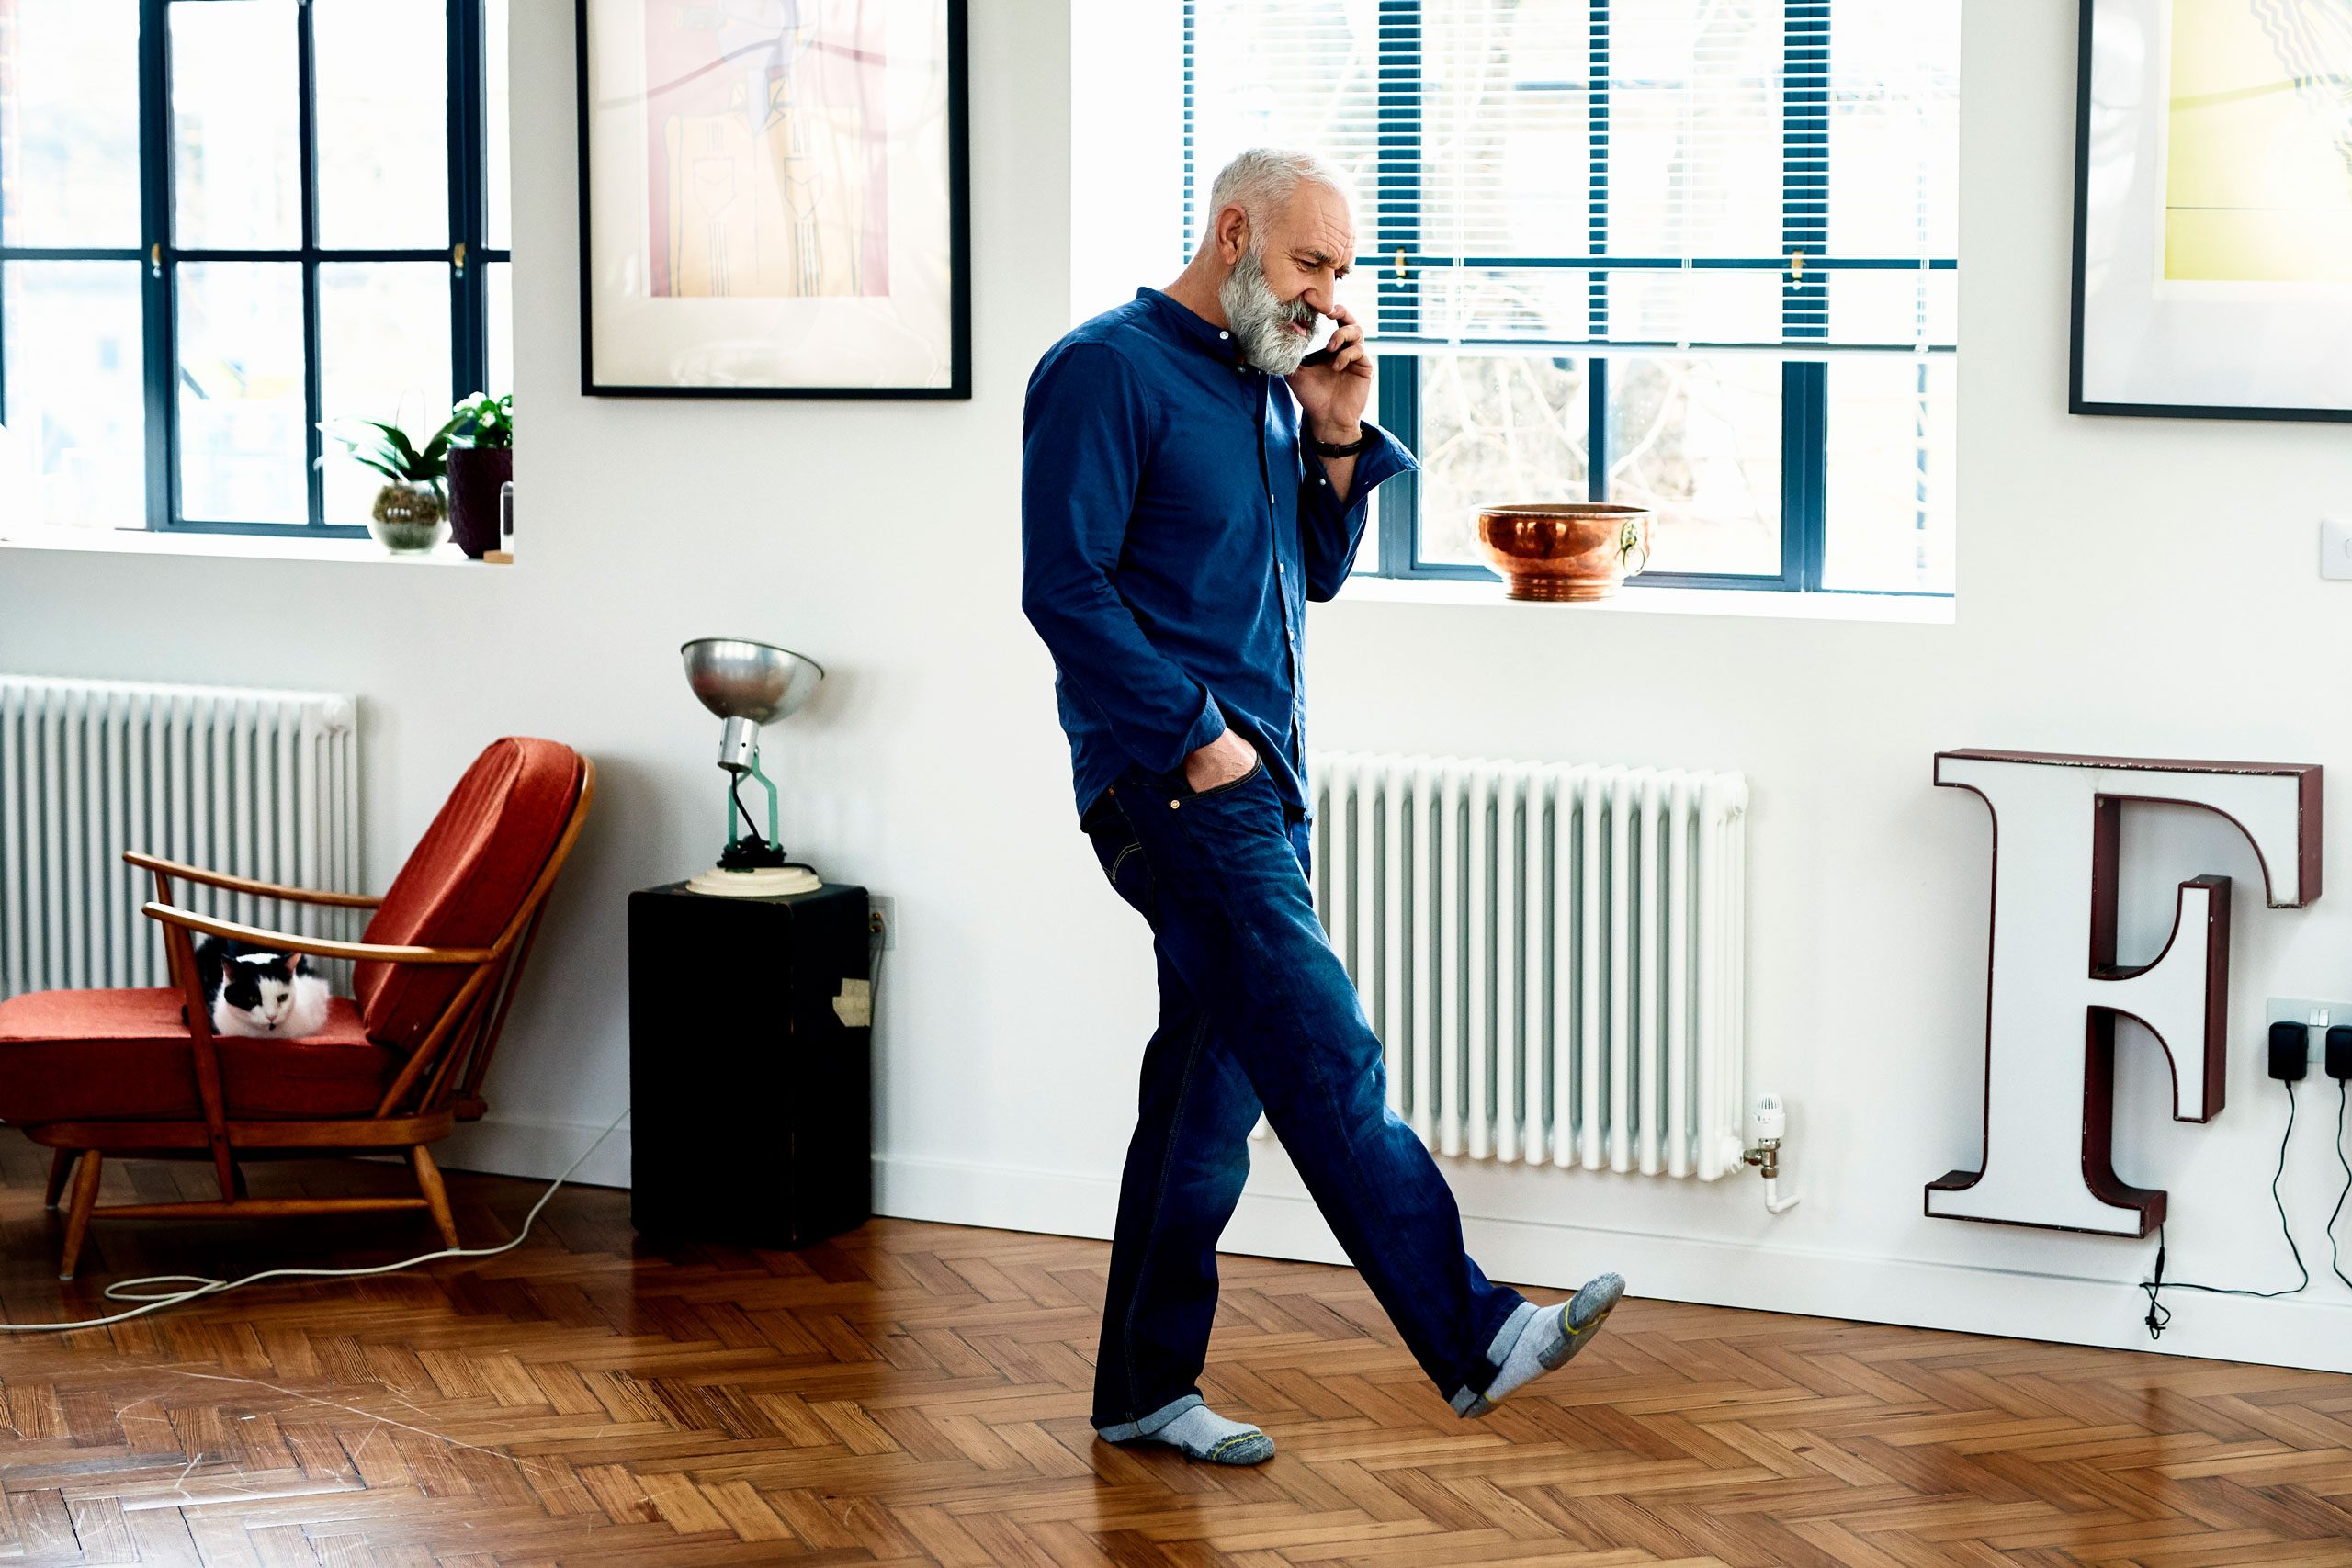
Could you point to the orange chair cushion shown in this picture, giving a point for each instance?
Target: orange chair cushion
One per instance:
(465, 880)
(122, 1056)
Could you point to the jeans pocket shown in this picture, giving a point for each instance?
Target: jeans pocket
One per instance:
(1181, 790)
(1122, 859)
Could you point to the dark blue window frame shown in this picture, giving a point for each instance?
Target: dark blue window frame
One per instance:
(466, 256)
(1397, 258)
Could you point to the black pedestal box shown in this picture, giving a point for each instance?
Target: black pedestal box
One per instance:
(753, 1098)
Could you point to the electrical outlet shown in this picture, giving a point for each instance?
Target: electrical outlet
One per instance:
(2335, 547)
(883, 917)
(2314, 1016)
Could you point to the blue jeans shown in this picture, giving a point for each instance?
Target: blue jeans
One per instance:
(1256, 1010)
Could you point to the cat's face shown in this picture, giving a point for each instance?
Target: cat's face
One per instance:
(261, 985)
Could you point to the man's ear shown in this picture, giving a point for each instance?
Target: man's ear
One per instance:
(1232, 234)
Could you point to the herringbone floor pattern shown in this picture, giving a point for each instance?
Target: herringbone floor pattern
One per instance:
(916, 1394)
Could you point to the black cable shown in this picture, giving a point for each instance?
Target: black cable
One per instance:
(2159, 1316)
(2341, 1085)
(735, 794)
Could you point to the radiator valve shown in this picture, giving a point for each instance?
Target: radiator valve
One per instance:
(1772, 1125)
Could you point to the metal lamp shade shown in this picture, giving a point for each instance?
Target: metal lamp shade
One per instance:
(736, 678)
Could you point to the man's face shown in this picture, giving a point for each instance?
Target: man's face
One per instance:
(1284, 279)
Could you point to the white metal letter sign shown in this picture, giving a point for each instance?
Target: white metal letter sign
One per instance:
(2057, 989)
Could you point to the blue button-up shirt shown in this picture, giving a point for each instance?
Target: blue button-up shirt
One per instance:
(1172, 531)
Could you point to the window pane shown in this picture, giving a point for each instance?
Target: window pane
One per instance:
(1287, 76)
(235, 171)
(498, 289)
(1697, 441)
(75, 431)
(1895, 130)
(383, 354)
(1496, 430)
(1507, 159)
(1891, 464)
(496, 128)
(1695, 129)
(69, 122)
(242, 440)
(382, 70)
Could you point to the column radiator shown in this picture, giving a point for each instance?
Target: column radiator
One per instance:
(264, 784)
(1553, 955)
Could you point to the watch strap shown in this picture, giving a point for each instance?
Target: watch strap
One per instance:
(1365, 437)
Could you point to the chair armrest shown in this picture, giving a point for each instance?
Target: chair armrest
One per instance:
(316, 946)
(247, 884)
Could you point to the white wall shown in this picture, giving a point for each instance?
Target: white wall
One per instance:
(2128, 586)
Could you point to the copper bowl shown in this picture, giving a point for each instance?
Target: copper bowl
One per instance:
(1574, 550)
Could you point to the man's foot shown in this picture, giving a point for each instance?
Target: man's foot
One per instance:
(1550, 1337)
(1201, 1434)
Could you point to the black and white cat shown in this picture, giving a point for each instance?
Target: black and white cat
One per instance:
(259, 992)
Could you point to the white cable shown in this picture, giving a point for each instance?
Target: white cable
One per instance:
(198, 1286)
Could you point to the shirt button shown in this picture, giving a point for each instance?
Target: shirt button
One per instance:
(1224, 334)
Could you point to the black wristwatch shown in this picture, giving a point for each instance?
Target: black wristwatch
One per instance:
(1365, 436)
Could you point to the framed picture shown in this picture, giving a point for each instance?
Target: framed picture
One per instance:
(2213, 209)
(774, 198)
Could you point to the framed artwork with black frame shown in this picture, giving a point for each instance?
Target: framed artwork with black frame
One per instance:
(775, 199)
(2213, 210)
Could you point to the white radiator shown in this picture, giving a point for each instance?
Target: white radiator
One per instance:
(1553, 955)
(264, 784)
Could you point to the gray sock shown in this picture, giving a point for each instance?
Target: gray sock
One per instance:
(1547, 1337)
(1204, 1435)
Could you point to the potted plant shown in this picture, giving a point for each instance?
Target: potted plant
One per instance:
(481, 459)
(412, 509)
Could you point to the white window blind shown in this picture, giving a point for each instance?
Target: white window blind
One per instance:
(1773, 175)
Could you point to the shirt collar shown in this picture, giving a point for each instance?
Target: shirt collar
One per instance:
(1213, 340)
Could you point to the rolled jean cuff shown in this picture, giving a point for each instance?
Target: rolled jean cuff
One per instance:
(1469, 1401)
(1145, 1426)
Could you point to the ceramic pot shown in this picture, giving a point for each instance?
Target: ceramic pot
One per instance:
(476, 475)
(1565, 550)
(410, 516)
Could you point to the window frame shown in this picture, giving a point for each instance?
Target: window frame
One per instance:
(158, 257)
(1397, 258)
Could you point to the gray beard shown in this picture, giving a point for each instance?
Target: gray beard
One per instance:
(1260, 319)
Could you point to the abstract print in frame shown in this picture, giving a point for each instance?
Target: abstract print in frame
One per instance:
(774, 198)
(2213, 209)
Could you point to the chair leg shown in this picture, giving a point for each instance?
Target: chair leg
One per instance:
(436, 1195)
(77, 1218)
(61, 1165)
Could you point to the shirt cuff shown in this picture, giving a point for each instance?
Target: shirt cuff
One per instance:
(1206, 726)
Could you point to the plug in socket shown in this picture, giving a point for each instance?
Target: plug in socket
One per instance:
(2289, 1049)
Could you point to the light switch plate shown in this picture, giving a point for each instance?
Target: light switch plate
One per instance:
(2303, 1010)
(2335, 547)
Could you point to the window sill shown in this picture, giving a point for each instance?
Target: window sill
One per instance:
(1895, 608)
(260, 546)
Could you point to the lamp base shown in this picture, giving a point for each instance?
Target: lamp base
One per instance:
(767, 882)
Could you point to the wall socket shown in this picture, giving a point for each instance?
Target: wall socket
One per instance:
(2335, 547)
(2302, 1010)
(882, 914)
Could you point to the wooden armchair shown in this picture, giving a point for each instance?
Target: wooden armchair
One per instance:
(93, 1073)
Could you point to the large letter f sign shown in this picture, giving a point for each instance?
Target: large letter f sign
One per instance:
(2057, 989)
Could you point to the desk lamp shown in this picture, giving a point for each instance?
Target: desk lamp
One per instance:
(749, 684)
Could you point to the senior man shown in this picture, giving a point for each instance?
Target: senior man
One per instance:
(1188, 483)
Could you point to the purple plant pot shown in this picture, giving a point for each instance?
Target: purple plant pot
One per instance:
(476, 475)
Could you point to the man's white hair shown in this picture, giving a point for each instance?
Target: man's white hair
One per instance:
(1261, 179)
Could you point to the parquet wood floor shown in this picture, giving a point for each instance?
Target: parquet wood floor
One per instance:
(916, 1394)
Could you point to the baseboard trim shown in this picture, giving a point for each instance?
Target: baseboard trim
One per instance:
(2012, 1303)
(536, 1149)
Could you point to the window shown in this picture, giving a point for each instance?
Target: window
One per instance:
(223, 222)
(1700, 256)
